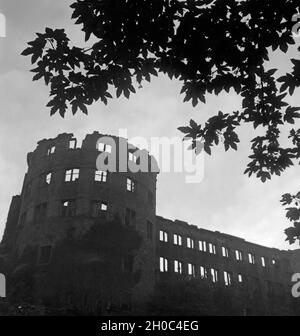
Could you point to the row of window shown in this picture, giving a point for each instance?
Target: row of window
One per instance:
(99, 209)
(203, 272)
(209, 247)
(102, 147)
(72, 175)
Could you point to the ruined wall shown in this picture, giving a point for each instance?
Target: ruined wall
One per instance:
(55, 156)
(263, 288)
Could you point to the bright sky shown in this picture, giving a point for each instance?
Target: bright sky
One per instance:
(226, 200)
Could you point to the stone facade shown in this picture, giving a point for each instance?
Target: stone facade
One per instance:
(61, 181)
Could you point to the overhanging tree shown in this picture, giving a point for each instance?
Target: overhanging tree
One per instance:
(210, 46)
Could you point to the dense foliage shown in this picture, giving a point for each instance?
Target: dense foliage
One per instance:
(210, 46)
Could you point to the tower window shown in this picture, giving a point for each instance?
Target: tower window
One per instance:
(238, 255)
(72, 175)
(163, 236)
(190, 243)
(131, 185)
(48, 178)
(225, 252)
(177, 266)
(130, 217)
(240, 278)
(51, 150)
(163, 264)
(132, 157)
(263, 262)
(100, 176)
(177, 239)
(72, 144)
(23, 218)
(68, 208)
(102, 147)
(99, 209)
(227, 278)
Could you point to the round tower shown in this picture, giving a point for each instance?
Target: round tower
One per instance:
(66, 181)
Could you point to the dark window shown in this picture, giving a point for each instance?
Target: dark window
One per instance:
(41, 211)
(45, 254)
(130, 217)
(99, 209)
(149, 231)
(150, 197)
(68, 208)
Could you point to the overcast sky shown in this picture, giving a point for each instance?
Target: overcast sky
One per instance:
(226, 200)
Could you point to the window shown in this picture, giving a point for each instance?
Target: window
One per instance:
(68, 208)
(225, 252)
(51, 150)
(240, 278)
(48, 178)
(273, 261)
(102, 147)
(263, 262)
(41, 211)
(202, 246)
(227, 278)
(212, 248)
(177, 266)
(163, 236)
(132, 157)
(99, 209)
(149, 231)
(214, 275)
(130, 217)
(203, 272)
(72, 144)
(100, 176)
(44, 254)
(238, 255)
(177, 239)
(251, 258)
(71, 175)
(191, 270)
(131, 185)
(190, 243)
(163, 264)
